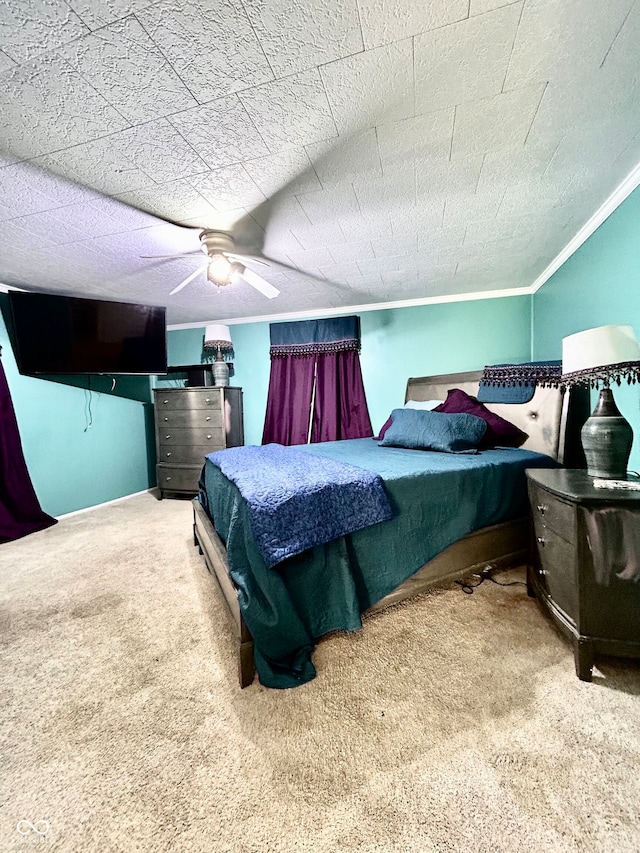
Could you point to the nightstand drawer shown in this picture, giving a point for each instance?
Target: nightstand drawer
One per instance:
(553, 513)
(557, 565)
(213, 436)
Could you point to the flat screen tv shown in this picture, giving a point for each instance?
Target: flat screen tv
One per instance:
(69, 335)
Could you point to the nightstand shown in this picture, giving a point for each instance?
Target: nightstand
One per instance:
(585, 562)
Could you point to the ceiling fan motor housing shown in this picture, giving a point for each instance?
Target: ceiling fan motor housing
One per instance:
(216, 242)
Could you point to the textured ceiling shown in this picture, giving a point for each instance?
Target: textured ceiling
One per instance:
(386, 150)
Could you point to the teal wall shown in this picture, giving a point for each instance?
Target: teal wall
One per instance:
(396, 344)
(598, 285)
(72, 466)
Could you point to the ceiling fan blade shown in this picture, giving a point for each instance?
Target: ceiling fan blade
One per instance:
(289, 268)
(245, 259)
(181, 255)
(188, 279)
(259, 283)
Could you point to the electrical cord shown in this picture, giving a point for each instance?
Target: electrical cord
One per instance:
(88, 416)
(486, 575)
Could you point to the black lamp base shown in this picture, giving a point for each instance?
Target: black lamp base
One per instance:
(606, 439)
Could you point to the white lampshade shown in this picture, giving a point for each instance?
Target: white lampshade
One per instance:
(217, 337)
(599, 348)
(596, 357)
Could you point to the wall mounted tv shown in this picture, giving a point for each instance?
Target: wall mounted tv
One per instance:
(69, 335)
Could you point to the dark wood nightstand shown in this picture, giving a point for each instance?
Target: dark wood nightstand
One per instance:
(584, 566)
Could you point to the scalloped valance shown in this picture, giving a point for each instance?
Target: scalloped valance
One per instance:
(531, 373)
(314, 337)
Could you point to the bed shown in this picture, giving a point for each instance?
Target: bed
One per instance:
(280, 610)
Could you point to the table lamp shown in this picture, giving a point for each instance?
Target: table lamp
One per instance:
(595, 357)
(218, 339)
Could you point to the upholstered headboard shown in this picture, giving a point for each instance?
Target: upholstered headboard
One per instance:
(550, 419)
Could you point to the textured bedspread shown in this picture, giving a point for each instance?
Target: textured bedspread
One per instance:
(436, 499)
(285, 487)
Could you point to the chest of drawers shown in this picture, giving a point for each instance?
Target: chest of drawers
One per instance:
(584, 567)
(189, 423)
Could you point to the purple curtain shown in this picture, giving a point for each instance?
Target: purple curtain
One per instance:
(316, 362)
(20, 511)
(289, 400)
(340, 409)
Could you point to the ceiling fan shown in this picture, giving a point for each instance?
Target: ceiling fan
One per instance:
(223, 265)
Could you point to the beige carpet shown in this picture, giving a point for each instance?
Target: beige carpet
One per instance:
(451, 723)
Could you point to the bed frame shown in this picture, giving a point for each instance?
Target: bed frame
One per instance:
(552, 420)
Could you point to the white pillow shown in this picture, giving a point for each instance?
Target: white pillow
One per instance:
(422, 404)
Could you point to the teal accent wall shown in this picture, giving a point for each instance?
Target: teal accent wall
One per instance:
(73, 466)
(599, 284)
(396, 344)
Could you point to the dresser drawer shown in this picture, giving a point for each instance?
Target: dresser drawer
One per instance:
(183, 454)
(213, 436)
(184, 399)
(178, 479)
(553, 513)
(557, 564)
(189, 418)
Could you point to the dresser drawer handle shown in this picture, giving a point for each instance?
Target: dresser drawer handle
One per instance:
(540, 540)
(208, 418)
(165, 402)
(167, 436)
(166, 419)
(168, 454)
(541, 508)
(208, 436)
(207, 400)
(166, 479)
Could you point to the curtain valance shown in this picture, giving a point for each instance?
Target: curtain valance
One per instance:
(312, 337)
(532, 373)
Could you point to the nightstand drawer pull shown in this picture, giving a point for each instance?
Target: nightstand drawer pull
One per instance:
(540, 540)
(168, 454)
(167, 436)
(541, 508)
(208, 418)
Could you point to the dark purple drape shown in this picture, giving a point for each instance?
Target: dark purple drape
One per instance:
(20, 511)
(289, 400)
(340, 409)
(316, 364)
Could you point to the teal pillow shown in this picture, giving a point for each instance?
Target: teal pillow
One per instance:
(417, 429)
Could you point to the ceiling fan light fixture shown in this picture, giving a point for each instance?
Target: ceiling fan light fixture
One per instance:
(219, 270)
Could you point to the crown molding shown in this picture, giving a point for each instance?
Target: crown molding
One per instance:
(349, 309)
(603, 212)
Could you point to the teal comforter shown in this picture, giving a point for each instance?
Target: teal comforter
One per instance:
(436, 499)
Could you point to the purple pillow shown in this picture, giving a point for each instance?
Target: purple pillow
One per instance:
(500, 433)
